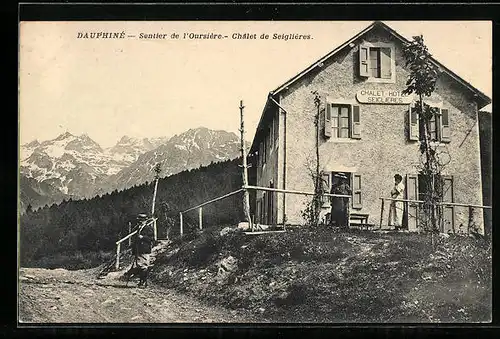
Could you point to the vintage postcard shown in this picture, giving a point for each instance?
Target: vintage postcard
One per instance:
(255, 172)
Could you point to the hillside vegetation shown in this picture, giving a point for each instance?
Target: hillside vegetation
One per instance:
(81, 233)
(319, 275)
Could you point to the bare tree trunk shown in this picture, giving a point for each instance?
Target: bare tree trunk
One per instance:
(155, 236)
(246, 197)
(429, 177)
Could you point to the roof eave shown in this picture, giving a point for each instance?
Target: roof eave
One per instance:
(482, 101)
(254, 145)
(321, 60)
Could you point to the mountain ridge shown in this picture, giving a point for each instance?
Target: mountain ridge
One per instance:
(77, 167)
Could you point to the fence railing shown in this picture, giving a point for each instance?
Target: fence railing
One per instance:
(418, 207)
(200, 210)
(297, 192)
(119, 242)
(247, 187)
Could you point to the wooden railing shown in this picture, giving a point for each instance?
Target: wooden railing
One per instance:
(247, 187)
(469, 206)
(119, 242)
(200, 210)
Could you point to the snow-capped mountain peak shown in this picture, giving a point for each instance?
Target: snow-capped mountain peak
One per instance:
(191, 149)
(78, 167)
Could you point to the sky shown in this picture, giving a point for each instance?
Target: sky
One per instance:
(108, 88)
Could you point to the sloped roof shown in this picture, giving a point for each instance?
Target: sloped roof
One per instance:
(482, 99)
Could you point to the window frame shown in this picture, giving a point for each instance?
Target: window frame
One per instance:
(352, 124)
(440, 140)
(379, 46)
(338, 128)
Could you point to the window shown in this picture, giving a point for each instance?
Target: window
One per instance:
(376, 62)
(438, 126)
(342, 121)
(432, 126)
(445, 186)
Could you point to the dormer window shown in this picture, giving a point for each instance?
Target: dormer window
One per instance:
(376, 62)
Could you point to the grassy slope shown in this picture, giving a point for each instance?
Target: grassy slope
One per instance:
(326, 276)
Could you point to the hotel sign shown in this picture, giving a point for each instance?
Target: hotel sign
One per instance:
(387, 97)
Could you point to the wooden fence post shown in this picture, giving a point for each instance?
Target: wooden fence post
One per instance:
(129, 231)
(200, 217)
(382, 213)
(469, 223)
(155, 232)
(246, 197)
(181, 226)
(117, 266)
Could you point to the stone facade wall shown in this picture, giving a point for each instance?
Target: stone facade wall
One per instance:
(384, 148)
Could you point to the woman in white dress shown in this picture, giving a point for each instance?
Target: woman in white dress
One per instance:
(397, 207)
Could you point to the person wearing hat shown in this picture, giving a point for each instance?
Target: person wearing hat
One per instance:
(141, 250)
(397, 207)
(340, 205)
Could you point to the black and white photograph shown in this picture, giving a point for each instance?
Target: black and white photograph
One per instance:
(254, 172)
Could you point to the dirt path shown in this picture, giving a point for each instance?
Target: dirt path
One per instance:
(61, 296)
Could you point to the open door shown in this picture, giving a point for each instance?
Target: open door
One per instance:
(412, 208)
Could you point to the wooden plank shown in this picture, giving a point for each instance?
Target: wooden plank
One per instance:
(382, 213)
(181, 225)
(463, 205)
(264, 232)
(117, 265)
(402, 200)
(213, 200)
(155, 230)
(440, 204)
(200, 217)
(129, 231)
(125, 238)
(131, 234)
(246, 198)
(295, 192)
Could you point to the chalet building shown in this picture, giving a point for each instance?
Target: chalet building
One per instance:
(367, 131)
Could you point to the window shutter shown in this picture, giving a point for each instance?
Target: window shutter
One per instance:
(385, 63)
(364, 61)
(413, 125)
(356, 191)
(355, 122)
(325, 181)
(327, 126)
(445, 126)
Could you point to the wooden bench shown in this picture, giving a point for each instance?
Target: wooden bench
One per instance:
(361, 217)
